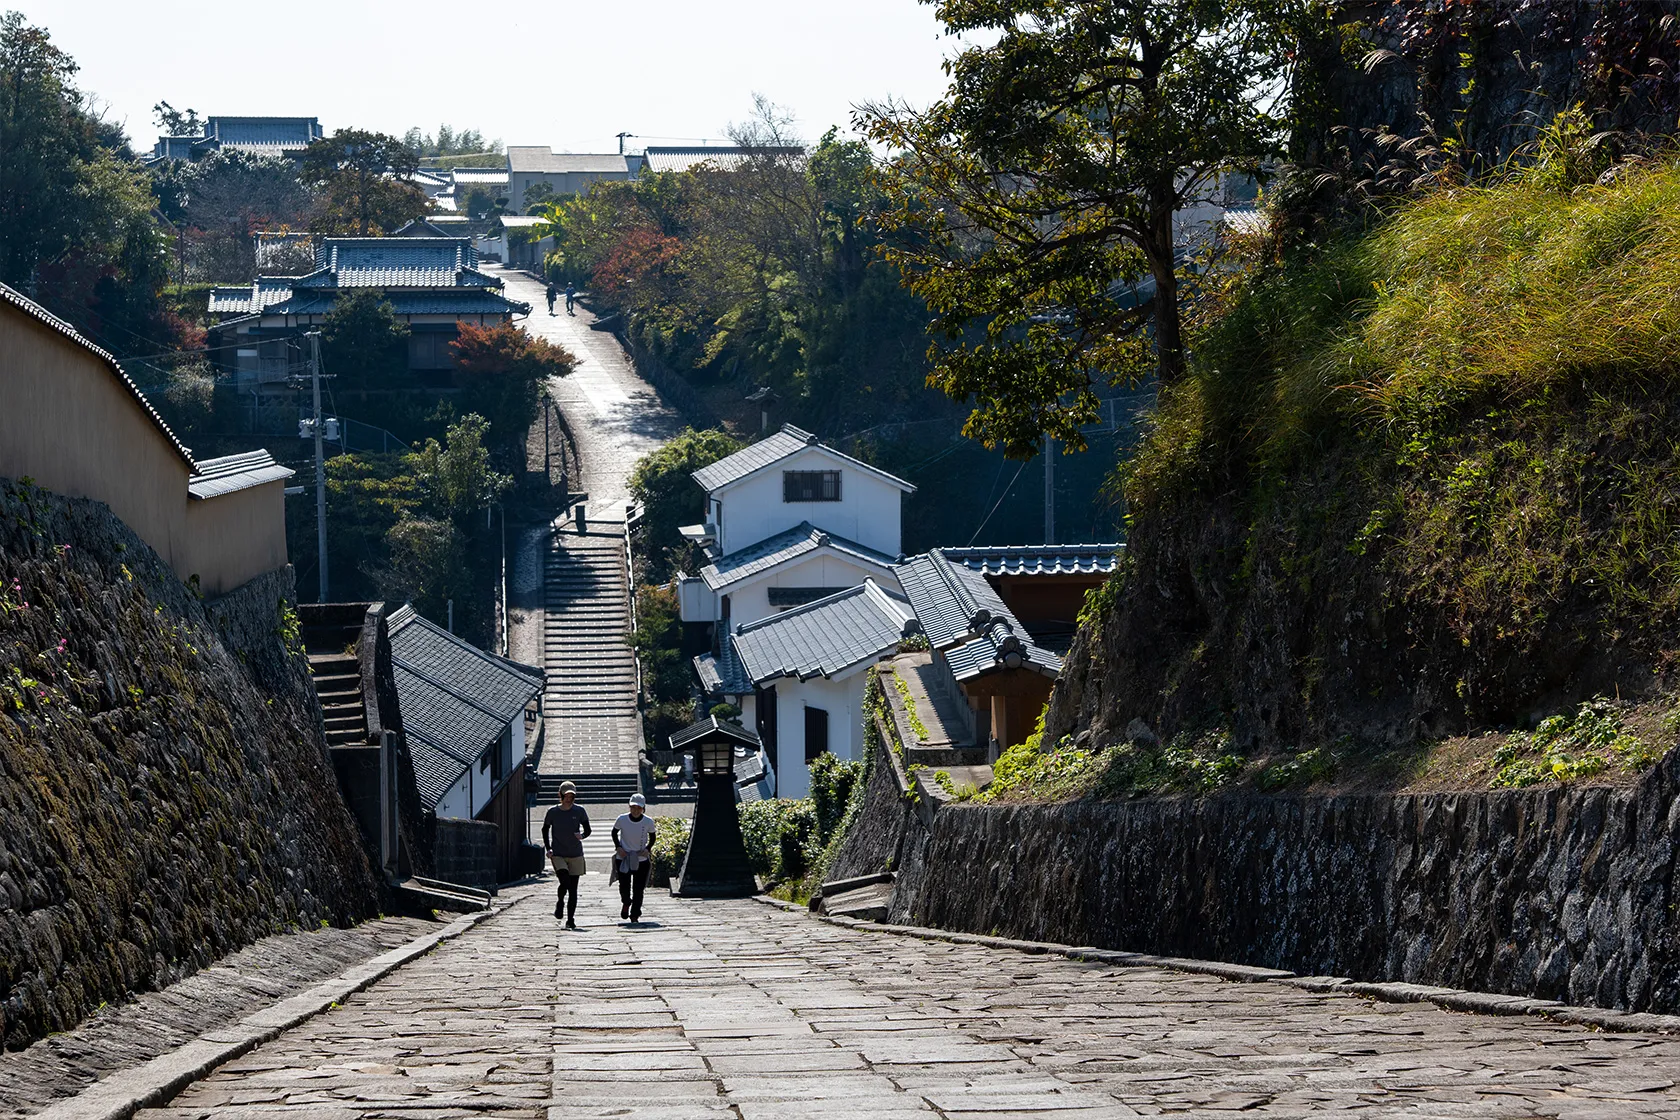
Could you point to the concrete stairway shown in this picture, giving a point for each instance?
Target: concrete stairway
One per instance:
(592, 734)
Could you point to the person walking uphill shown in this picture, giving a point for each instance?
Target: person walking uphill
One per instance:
(564, 827)
(553, 294)
(633, 851)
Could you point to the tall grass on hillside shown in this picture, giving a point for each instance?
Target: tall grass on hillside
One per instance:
(1491, 372)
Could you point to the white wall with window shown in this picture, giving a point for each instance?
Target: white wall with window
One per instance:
(825, 490)
(808, 712)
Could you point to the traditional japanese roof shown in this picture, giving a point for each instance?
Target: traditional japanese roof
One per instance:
(825, 638)
(965, 620)
(455, 699)
(263, 133)
(497, 175)
(724, 157)
(774, 448)
(418, 227)
(232, 473)
(396, 262)
(723, 674)
(1039, 559)
(519, 221)
(714, 729)
(783, 597)
(544, 160)
(801, 540)
(264, 291)
(35, 311)
(468, 301)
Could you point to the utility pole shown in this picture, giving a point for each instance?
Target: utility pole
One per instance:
(1049, 491)
(320, 463)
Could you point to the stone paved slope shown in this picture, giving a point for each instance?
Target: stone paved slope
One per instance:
(589, 704)
(735, 1009)
(616, 418)
(137, 1030)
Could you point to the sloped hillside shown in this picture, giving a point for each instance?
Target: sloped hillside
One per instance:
(1421, 483)
(165, 796)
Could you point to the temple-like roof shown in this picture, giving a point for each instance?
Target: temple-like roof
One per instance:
(965, 619)
(1039, 559)
(232, 473)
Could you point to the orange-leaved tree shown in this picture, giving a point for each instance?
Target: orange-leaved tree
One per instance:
(501, 371)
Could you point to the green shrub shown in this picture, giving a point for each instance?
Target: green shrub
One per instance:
(670, 844)
(781, 837)
(1568, 747)
(832, 783)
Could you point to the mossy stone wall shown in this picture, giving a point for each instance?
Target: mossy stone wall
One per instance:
(165, 795)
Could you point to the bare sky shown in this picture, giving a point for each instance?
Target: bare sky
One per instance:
(569, 74)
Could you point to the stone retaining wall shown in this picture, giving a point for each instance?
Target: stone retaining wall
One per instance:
(165, 796)
(1557, 893)
(465, 852)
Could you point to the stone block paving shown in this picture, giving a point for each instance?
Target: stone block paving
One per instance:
(736, 1009)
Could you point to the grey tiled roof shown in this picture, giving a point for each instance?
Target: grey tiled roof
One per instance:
(265, 291)
(947, 597)
(479, 174)
(455, 699)
(713, 728)
(723, 674)
(724, 157)
(396, 262)
(823, 638)
(435, 769)
(470, 301)
(772, 449)
(232, 473)
(545, 160)
(1039, 559)
(35, 311)
(263, 132)
(964, 618)
(798, 541)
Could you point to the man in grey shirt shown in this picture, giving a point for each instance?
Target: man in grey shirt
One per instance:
(564, 827)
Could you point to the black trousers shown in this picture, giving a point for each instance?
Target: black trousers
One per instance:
(568, 894)
(631, 888)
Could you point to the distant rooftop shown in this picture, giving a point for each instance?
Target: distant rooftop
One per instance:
(724, 157)
(1039, 559)
(545, 160)
(232, 473)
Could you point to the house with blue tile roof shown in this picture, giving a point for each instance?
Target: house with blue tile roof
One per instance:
(432, 283)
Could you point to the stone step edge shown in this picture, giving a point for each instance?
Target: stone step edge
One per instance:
(156, 1082)
(1449, 999)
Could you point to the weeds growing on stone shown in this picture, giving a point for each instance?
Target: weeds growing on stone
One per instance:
(1565, 748)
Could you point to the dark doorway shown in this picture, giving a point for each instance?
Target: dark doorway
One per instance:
(816, 732)
(764, 708)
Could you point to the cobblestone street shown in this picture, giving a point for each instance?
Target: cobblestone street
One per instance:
(737, 1009)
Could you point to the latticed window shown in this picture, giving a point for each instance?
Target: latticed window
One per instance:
(810, 486)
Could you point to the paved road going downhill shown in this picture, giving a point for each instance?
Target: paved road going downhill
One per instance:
(589, 705)
(736, 1009)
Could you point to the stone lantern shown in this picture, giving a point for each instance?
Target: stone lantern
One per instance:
(715, 865)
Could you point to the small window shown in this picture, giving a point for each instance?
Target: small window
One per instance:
(810, 486)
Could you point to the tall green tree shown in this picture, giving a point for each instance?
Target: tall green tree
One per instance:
(364, 342)
(363, 177)
(1035, 203)
(669, 498)
(75, 209)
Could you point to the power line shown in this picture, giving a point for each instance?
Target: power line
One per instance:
(1001, 497)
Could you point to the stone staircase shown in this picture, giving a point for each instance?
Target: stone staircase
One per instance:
(338, 681)
(591, 730)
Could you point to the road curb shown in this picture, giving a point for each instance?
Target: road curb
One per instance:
(159, 1080)
(1450, 999)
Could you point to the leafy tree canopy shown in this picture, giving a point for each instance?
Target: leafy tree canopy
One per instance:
(669, 498)
(363, 177)
(1034, 205)
(503, 370)
(177, 122)
(363, 341)
(448, 142)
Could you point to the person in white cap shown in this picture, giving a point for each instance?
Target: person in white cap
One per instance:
(564, 828)
(633, 849)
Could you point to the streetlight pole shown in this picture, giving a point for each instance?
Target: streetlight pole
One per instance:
(1049, 491)
(320, 463)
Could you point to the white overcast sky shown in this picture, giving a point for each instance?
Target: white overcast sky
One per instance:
(569, 74)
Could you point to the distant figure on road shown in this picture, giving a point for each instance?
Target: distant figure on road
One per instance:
(564, 827)
(553, 294)
(571, 297)
(633, 849)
